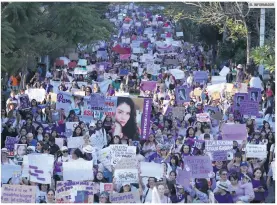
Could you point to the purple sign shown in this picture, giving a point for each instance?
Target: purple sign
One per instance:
(198, 166)
(234, 132)
(249, 108)
(97, 101)
(196, 146)
(148, 85)
(211, 109)
(145, 122)
(123, 72)
(24, 102)
(219, 155)
(9, 143)
(183, 178)
(200, 76)
(254, 94)
(239, 98)
(182, 94)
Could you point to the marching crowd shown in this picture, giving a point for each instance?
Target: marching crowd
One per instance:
(172, 139)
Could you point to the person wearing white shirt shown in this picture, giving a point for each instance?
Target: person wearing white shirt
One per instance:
(255, 82)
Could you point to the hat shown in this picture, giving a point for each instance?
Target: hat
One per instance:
(4, 150)
(223, 185)
(243, 164)
(104, 194)
(88, 149)
(239, 66)
(64, 148)
(31, 148)
(92, 124)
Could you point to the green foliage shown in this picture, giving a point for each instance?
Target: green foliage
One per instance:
(264, 55)
(235, 29)
(31, 30)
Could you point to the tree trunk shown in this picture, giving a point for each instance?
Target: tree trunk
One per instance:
(248, 46)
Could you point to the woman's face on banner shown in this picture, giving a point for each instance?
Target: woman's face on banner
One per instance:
(21, 150)
(122, 114)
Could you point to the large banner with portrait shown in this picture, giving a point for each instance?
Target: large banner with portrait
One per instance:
(182, 94)
(132, 117)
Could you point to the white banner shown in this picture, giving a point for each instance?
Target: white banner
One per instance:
(151, 169)
(126, 176)
(256, 151)
(37, 94)
(78, 170)
(75, 142)
(120, 151)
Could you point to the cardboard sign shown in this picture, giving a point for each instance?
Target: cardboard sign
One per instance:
(75, 191)
(256, 151)
(18, 194)
(234, 131)
(126, 176)
(198, 166)
(121, 151)
(203, 117)
(126, 163)
(128, 197)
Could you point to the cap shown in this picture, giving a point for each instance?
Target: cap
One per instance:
(239, 66)
(243, 164)
(92, 124)
(64, 148)
(4, 150)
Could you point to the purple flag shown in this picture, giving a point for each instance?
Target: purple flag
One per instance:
(145, 122)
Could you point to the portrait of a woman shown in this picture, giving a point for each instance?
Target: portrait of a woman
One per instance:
(125, 118)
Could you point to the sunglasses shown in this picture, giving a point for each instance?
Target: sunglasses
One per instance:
(65, 151)
(224, 174)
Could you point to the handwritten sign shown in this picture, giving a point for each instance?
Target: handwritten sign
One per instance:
(18, 194)
(126, 163)
(234, 132)
(121, 151)
(104, 156)
(256, 151)
(199, 166)
(70, 191)
(128, 197)
(203, 117)
(249, 108)
(64, 101)
(126, 176)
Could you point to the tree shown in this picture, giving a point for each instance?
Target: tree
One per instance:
(31, 30)
(231, 18)
(264, 55)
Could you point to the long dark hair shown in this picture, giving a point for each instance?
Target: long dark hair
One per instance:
(204, 187)
(130, 129)
(74, 132)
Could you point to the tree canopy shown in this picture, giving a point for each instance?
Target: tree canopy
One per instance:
(31, 30)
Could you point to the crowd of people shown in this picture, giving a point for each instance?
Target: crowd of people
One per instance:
(171, 139)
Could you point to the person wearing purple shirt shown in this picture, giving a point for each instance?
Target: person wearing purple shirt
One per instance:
(223, 195)
(259, 186)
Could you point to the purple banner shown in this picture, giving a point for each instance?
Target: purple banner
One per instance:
(254, 94)
(219, 155)
(198, 166)
(234, 132)
(145, 122)
(200, 76)
(182, 94)
(183, 178)
(9, 143)
(148, 85)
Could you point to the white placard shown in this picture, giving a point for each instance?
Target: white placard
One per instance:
(151, 169)
(179, 34)
(78, 170)
(41, 168)
(59, 142)
(37, 94)
(120, 151)
(225, 70)
(71, 125)
(126, 176)
(256, 151)
(75, 142)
